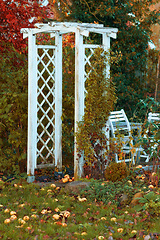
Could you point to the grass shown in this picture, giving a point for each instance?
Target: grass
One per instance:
(31, 209)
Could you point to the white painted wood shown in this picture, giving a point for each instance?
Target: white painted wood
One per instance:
(56, 30)
(84, 32)
(92, 46)
(61, 29)
(152, 117)
(75, 24)
(49, 85)
(106, 47)
(58, 102)
(119, 122)
(79, 97)
(25, 32)
(65, 27)
(112, 35)
(102, 30)
(32, 104)
(46, 47)
(106, 44)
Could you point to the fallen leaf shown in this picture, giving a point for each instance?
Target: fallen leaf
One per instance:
(142, 220)
(46, 237)
(58, 223)
(135, 221)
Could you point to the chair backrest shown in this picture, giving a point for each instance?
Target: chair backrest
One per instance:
(118, 123)
(152, 117)
(120, 130)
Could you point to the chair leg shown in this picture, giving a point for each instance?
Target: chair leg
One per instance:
(116, 157)
(143, 155)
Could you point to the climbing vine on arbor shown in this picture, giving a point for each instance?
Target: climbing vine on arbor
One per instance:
(99, 101)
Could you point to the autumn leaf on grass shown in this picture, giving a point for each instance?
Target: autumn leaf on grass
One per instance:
(36, 237)
(46, 237)
(135, 221)
(7, 221)
(82, 199)
(56, 216)
(142, 220)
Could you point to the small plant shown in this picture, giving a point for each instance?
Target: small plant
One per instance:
(150, 134)
(112, 191)
(151, 139)
(143, 107)
(151, 203)
(116, 171)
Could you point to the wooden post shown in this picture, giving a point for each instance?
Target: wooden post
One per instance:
(32, 106)
(79, 98)
(58, 102)
(106, 45)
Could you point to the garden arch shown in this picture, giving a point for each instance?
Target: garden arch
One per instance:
(45, 89)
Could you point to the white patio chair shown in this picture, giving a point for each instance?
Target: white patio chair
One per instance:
(152, 118)
(120, 129)
(119, 125)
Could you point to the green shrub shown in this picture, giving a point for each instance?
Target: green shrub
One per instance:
(13, 112)
(116, 171)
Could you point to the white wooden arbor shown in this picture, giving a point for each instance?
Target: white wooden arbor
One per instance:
(45, 89)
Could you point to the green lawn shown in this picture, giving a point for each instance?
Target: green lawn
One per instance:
(29, 211)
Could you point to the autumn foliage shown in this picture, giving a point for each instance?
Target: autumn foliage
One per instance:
(14, 15)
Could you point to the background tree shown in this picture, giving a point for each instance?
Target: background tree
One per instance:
(134, 20)
(14, 15)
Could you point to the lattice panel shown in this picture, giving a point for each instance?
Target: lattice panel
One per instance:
(46, 105)
(89, 58)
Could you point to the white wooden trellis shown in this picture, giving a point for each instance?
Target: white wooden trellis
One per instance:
(45, 122)
(45, 89)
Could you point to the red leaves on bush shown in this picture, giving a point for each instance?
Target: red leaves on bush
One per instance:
(17, 14)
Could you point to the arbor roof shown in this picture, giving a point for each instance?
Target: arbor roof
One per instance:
(66, 27)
